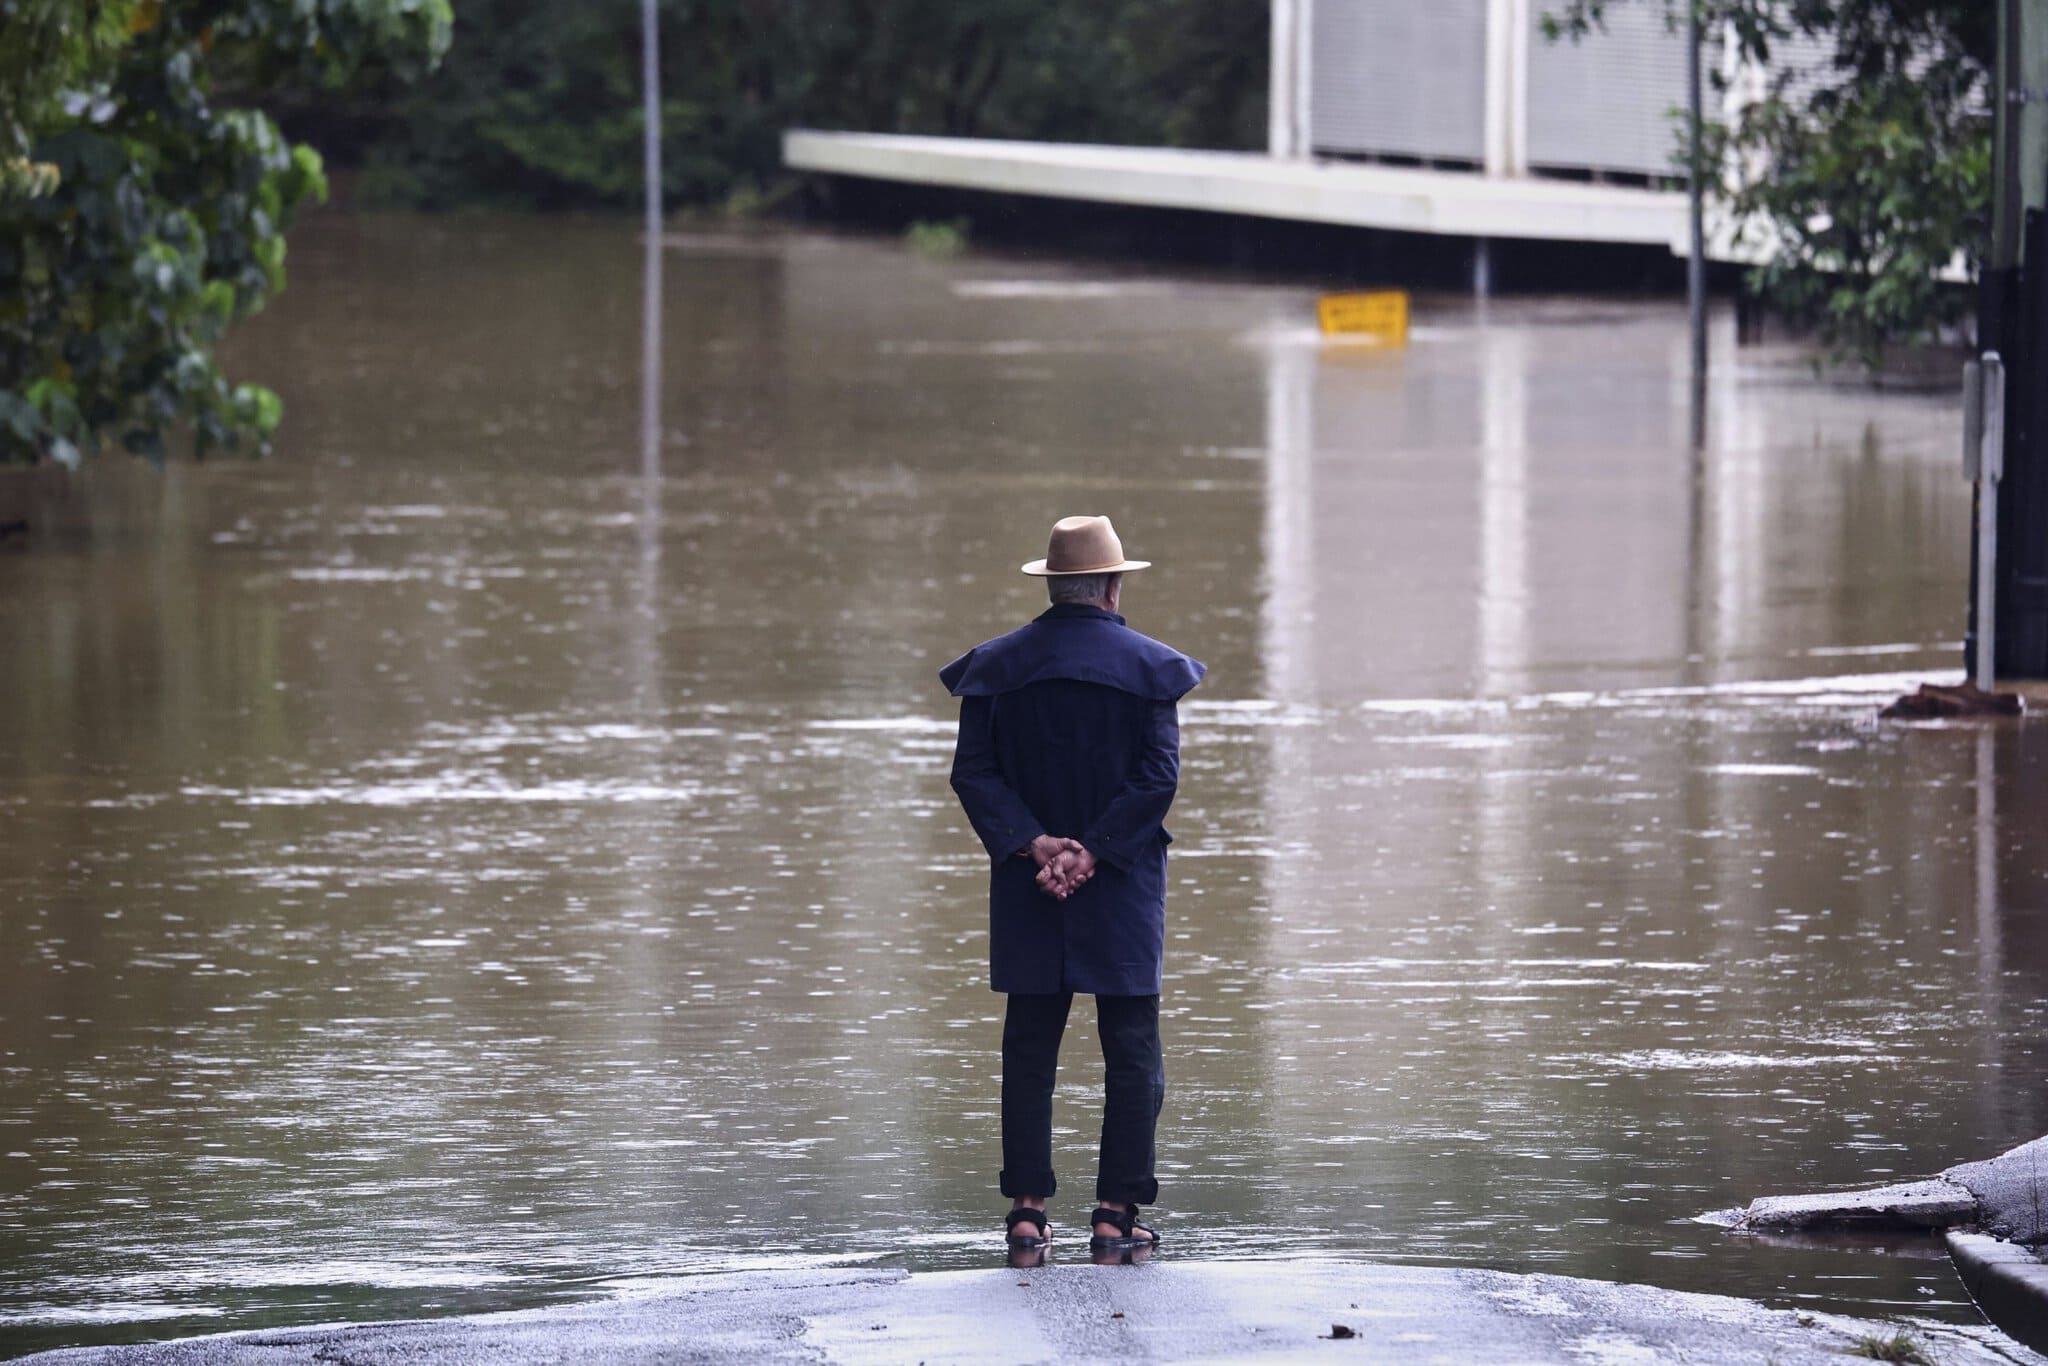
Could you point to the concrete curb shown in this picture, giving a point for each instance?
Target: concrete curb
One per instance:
(2006, 1195)
(2011, 1191)
(2008, 1282)
(1918, 1205)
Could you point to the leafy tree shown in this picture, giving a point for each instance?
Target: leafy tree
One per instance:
(538, 102)
(48, 45)
(1865, 179)
(143, 203)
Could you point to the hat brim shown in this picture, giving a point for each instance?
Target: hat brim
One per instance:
(1038, 570)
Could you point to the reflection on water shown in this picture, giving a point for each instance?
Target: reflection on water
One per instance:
(480, 856)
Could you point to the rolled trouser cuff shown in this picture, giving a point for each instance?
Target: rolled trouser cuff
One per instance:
(1143, 1191)
(1041, 1183)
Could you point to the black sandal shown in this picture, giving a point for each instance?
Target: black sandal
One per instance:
(1125, 1220)
(1026, 1216)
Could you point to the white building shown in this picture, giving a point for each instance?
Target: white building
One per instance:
(1454, 117)
(1475, 84)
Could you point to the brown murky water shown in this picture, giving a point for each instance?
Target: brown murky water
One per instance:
(444, 867)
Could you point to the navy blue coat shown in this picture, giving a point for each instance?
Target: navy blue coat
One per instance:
(1068, 727)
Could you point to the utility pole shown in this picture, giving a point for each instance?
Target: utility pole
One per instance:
(1696, 261)
(650, 317)
(2012, 325)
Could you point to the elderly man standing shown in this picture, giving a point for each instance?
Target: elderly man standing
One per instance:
(1068, 756)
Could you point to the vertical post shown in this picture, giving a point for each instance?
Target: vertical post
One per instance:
(1280, 79)
(1518, 81)
(1287, 81)
(650, 317)
(1497, 114)
(2027, 102)
(1696, 232)
(2006, 199)
(2013, 321)
(1990, 403)
(650, 110)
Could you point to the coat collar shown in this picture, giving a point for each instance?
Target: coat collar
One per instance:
(1117, 657)
(1078, 611)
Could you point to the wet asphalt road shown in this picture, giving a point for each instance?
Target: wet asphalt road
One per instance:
(1178, 1311)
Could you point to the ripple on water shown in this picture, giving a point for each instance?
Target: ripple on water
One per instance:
(1683, 1060)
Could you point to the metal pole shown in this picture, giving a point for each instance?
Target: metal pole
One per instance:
(1987, 584)
(2013, 321)
(1285, 135)
(1990, 465)
(2008, 199)
(1696, 262)
(650, 322)
(2027, 102)
(650, 110)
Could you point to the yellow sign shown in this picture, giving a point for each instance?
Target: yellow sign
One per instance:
(1382, 315)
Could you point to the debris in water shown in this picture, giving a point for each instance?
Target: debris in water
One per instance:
(1942, 700)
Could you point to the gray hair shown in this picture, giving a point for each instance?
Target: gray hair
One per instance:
(1079, 587)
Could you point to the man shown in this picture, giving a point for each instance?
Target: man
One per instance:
(1068, 756)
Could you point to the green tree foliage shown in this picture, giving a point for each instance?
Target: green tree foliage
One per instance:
(538, 102)
(44, 46)
(145, 204)
(1865, 180)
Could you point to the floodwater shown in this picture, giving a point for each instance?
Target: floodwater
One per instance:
(457, 863)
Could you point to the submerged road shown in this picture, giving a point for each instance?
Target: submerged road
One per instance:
(455, 865)
(1166, 1311)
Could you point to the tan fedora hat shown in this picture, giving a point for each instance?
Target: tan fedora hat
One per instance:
(1083, 545)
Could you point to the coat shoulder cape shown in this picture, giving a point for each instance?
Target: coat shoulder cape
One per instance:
(1094, 649)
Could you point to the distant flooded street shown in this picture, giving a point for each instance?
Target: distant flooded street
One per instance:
(445, 867)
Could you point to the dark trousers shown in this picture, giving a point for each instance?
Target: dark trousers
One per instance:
(1134, 1087)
